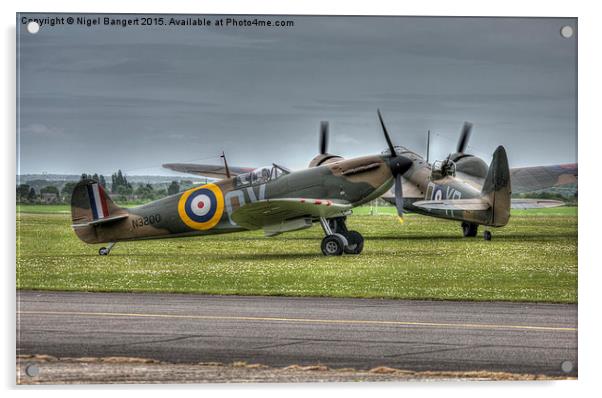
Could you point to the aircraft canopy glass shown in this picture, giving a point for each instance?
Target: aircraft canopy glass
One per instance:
(260, 175)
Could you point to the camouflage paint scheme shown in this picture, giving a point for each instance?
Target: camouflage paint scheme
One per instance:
(329, 190)
(462, 188)
(420, 184)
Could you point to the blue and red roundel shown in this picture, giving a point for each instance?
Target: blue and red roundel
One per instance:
(202, 207)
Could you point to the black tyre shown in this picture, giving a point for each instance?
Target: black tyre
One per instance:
(103, 251)
(469, 229)
(355, 242)
(333, 245)
(487, 235)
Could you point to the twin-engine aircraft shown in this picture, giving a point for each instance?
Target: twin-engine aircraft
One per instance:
(273, 198)
(462, 187)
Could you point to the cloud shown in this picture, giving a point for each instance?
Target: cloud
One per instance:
(41, 130)
(173, 94)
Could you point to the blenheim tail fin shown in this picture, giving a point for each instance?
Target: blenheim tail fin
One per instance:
(90, 207)
(497, 189)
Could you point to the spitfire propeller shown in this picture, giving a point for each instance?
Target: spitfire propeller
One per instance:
(398, 164)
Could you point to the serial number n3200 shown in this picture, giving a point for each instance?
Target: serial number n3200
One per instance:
(148, 220)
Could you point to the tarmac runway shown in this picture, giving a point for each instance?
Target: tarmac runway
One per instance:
(281, 331)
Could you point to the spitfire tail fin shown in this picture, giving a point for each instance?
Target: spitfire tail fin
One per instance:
(90, 207)
(497, 189)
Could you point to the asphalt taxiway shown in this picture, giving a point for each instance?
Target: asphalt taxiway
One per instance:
(282, 331)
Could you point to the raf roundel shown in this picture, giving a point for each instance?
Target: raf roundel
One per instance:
(201, 208)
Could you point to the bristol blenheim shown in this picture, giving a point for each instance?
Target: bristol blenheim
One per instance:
(459, 186)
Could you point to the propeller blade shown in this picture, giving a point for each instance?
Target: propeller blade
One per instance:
(387, 138)
(464, 137)
(399, 196)
(323, 138)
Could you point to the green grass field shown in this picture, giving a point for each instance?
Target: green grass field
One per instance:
(534, 258)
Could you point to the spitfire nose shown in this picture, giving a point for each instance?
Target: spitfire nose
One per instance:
(399, 165)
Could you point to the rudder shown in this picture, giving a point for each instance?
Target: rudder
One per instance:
(91, 205)
(497, 189)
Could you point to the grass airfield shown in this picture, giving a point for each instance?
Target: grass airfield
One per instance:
(533, 258)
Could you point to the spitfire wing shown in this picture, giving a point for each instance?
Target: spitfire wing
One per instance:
(265, 213)
(207, 170)
(528, 179)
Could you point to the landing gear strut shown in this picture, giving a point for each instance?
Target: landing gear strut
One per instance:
(104, 251)
(469, 229)
(339, 239)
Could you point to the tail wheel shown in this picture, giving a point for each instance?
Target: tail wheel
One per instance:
(103, 251)
(333, 245)
(355, 242)
(487, 235)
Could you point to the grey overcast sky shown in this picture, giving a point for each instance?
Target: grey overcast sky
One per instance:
(101, 98)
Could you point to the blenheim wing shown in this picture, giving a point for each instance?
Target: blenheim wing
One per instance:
(207, 170)
(288, 214)
(478, 204)
(475, 204)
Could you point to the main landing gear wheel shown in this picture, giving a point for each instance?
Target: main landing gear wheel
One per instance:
(487, 235)
(355, 242)
(469, 229)
(333, 245)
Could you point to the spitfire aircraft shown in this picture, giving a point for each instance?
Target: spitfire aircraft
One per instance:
(273, 198)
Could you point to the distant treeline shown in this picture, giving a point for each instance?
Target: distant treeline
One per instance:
(41, 191)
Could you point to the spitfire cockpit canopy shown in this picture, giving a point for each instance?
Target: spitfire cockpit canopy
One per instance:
(260, 175)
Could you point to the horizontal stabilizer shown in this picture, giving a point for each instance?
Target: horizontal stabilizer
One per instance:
(101, 221)
(271, 212)
(535, 203)
(453, 204)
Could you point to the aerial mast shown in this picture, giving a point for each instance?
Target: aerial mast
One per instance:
(428, 144)
(225, 164)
